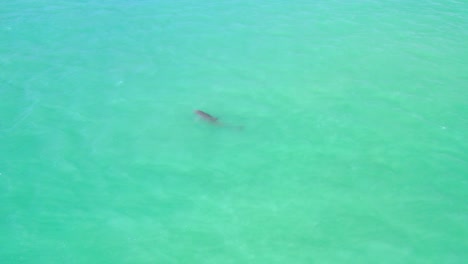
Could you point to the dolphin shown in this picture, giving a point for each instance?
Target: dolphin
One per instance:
(207, 117)
(213, 120)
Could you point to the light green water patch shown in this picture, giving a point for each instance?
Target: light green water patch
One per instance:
(353, 148)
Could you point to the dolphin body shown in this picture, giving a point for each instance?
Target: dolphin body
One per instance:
(207, 117)
(213, 120)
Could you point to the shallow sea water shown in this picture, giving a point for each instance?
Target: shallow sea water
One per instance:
(354, 147)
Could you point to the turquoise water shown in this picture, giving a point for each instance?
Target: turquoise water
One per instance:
(354, 147)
